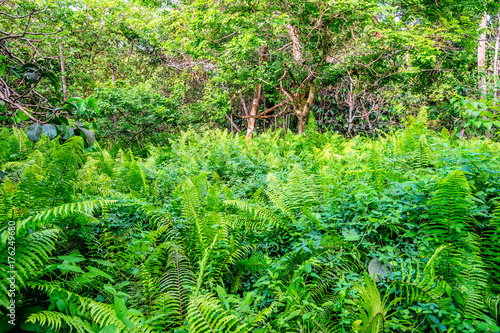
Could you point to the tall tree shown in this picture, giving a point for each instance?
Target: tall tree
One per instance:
(495, 57)
(481, 54)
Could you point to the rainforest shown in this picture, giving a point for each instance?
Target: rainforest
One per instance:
(250, 166)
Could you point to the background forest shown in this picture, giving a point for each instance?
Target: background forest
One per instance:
(249, 166)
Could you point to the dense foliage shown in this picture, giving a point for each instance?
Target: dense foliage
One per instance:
(284, 233)
(151, 179)
(118, 69)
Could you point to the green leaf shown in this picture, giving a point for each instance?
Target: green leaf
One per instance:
(72, 268)
(92, 102)
(128, 323)
(22, 116)
(54, 80)
(98, 272)
(61, 304)
(109, 329)
(293, 314)
(72, 258)
(49, 130)
(68, 132)
(61, 119)
(71, 108)
(120, 308)
(87, 135)
(488, 114)
(34, 132)
(103, 262)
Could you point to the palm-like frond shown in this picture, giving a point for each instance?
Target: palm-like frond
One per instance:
(25, 257)
(449, 214)
(101, 314)
(58, 322)
(417, 287)
(373, 308)
(474, 280)
(205, 314)
(177, 282)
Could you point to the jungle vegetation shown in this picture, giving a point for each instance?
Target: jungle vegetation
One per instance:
(249, 166)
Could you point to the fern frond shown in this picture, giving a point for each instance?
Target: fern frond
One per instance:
(372, 307)
(489, 244)
(31, 254)
(493, 305)
(262, 214)
(376, 166)
(474, 280)
(299, 190)
(101, 314)
(205, 314)
(449, 214)
(191, 206)
(62, 211)
(417, 287)
(177, 282)
(58, 321)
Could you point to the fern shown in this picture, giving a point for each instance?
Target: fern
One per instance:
(288, 199)
(191, 206)
(489, 246)
(376, 166)
(373, 308)
(492, 303)
(473, 279)
(101, 314)
(58, 321)
(63, 166)
(176, 282)
(300, 189)
(450, 217)
(422, 287)
(205, 314)
(31, 253)
(29, 207)
(260, 213)
(44, 216)
(421, 157)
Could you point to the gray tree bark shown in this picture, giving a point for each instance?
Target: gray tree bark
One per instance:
(481, 55)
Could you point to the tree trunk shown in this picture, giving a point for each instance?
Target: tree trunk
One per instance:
(495, 59)
(302, 124)
(481, 55)
(366, 115)
(233, 125)
(256, 98)
(303, 115)
(253, 111)
(294, 35)
(63, 73)
(351, 103)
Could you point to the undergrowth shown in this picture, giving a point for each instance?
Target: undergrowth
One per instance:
(284, 233)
